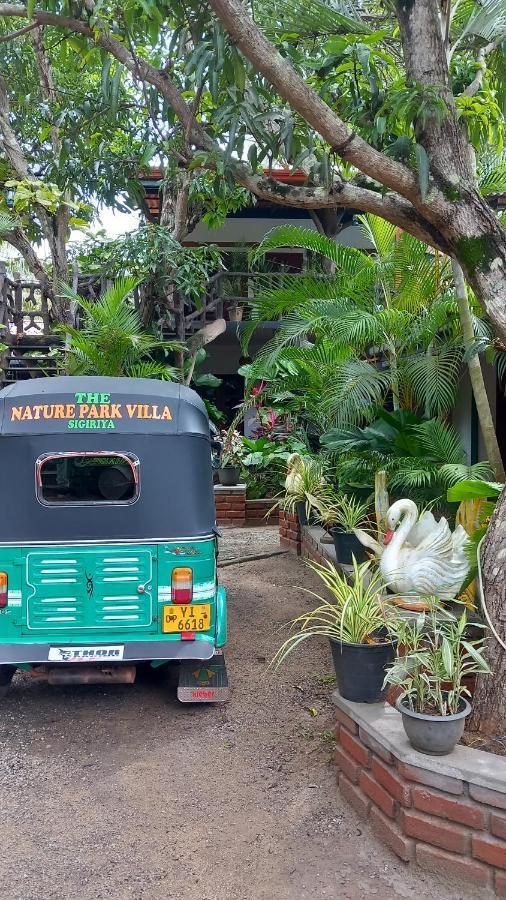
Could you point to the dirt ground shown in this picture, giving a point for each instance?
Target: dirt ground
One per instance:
(119, 792)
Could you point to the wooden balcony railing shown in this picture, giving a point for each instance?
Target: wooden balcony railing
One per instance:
(28, 328)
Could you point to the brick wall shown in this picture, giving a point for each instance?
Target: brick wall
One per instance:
(444, 823)
(230, 504)
(289, 531)
(257, 510)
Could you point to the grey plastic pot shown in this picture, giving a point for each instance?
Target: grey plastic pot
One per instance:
(229, 476)
(434, 735)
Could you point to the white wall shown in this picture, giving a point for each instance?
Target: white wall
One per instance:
(461, 413)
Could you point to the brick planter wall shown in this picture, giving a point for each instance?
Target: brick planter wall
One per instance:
(256, 512)
(230, 504)
(289, 531)
(447, 814)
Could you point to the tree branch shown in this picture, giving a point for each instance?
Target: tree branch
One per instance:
(481, 62)
(17, 238)
(348, 145)
(292, 87)
(393, 207)
(15, 34)
(8, 138)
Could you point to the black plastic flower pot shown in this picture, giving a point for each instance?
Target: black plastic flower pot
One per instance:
(229, 476)
(434, 735)
(360, 669)
(347, 546)
(301, 512)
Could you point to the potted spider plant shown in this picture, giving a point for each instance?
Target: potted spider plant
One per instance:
(341, 517)
(229, 472)
(437, 660)
(305, 487)
(356, 620)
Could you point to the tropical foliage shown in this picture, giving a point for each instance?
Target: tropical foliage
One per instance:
(382, 325)
(421, 457)
(355, 614)
(111, 340)
(437, 657)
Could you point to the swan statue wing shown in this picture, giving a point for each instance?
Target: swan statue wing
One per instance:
(437, 542)
(460, 538)
(436, 567)
(422, 529)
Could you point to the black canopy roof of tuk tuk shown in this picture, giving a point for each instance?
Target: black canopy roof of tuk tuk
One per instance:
(164, 425)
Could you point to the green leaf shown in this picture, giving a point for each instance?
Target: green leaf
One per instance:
(473, 490)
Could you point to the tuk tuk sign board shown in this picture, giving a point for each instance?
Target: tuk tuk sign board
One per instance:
(86, 411)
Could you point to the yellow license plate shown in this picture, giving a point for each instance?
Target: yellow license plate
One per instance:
(187, 617)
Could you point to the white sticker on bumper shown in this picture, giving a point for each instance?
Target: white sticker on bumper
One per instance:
(112, 653)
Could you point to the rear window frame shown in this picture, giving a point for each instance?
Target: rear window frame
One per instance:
(122, 456)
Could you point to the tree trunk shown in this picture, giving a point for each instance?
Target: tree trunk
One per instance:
(489, 705)
(60, 306)
(476, 376)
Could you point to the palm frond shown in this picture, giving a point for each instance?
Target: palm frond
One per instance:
(151, 369)
(358, 386)
(380, 233)
(308, 18)
(347, 259)
(7, 222)
(453, 473)
(442, 442)
(433, 378)
(485, 20)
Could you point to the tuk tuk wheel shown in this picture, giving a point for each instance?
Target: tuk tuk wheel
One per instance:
(6, 673)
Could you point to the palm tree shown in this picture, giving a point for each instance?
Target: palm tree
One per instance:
(111, 340)
(392, 319)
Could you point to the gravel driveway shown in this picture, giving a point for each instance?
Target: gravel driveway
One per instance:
(119, 792)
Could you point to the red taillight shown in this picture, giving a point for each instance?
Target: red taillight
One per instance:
(4, 589)
(182, 585)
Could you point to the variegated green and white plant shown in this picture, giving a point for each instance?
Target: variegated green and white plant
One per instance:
(435, 659)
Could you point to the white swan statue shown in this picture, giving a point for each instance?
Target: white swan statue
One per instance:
(293, 481)
(422, 556)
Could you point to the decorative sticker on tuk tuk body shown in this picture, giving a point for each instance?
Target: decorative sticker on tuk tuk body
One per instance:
(183, 551)
(90, 411)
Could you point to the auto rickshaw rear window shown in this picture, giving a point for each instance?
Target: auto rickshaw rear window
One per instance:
(83, 478)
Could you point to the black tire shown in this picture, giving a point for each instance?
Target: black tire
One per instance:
(6, 673)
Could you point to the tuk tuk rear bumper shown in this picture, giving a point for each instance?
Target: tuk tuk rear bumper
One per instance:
(134, 651)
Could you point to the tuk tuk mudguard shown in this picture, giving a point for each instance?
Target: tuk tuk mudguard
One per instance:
(221, 617)
(97, 576)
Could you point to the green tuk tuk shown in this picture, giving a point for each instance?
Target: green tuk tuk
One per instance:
(108, 541)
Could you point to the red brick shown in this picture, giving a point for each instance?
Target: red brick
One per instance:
(391, 835)
(500, 884)
(498, 826)
(354, 747)
(435, 831)
(490, 850)
(433, 779)
(235, 514)
(377, 794)
(391, 781)
(375, 746)
(486, 795)
(361, 804)
(347, 765)
(456, 810)
(443, 863)
(347, 721)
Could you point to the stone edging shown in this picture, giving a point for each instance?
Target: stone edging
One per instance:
(446, 813)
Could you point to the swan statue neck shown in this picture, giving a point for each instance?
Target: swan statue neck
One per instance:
(409, 513)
